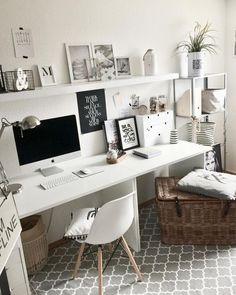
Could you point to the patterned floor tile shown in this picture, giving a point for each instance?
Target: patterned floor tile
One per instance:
(167, 269)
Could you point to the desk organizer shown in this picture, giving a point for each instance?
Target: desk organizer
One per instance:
(187, 218)
(155, 128)
(11, 77)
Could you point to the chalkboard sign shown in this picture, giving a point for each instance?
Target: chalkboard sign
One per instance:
(92, 110)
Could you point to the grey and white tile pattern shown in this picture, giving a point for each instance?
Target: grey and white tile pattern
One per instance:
(167, 269)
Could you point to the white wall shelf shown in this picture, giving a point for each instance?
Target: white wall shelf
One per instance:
(64, 89)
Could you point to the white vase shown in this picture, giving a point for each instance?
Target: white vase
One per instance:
(183, 64)
(150, 62)
(196, 62)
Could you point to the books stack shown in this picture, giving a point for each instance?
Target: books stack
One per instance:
(147, 152)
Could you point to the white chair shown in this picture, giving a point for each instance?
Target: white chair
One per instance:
(110, 224)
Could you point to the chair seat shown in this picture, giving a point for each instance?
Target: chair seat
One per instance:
(81, 222)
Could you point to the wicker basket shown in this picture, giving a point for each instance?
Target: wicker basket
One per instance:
(187, 218)
(35, 244)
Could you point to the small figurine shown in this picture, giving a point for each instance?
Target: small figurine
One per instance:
(112, 155)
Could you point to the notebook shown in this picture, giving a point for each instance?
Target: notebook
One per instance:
(147, 152)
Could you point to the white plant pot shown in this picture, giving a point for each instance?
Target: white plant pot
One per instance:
(183, 64)
(196, 61)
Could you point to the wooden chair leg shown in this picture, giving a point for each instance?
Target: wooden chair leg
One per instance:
(131, 258)
(110, 247)
(78, 262)
(100, 281)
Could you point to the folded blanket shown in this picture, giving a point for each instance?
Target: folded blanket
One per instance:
(209, 183)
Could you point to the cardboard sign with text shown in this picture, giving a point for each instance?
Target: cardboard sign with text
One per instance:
(10, 228)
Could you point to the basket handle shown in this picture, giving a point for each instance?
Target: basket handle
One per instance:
(178, 208)
(226, 208)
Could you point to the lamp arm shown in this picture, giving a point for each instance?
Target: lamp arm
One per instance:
(6, 123)
(1, 130)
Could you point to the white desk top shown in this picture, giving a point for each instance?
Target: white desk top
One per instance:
(34, 199)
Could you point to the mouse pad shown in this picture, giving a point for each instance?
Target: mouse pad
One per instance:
(93, 171)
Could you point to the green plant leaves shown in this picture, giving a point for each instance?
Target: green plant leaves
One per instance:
(200, 40)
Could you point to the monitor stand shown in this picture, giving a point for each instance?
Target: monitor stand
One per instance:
(50, 170)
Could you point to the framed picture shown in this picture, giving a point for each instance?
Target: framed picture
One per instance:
(47, 75)
(76, 57)
(105, 59)
(111, 135)
(123, 67)
(92, 110)
(127, 132)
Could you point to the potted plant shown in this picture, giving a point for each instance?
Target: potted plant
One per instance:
(198, 43)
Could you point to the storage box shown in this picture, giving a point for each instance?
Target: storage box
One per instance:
(155, 128)
(187, 218)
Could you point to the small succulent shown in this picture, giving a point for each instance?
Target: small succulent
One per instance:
(200, 40)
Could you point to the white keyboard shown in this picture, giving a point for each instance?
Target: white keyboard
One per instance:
(58, 181)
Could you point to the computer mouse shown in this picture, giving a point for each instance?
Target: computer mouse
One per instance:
(85, 171)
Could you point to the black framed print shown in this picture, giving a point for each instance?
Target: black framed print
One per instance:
(92, 110)
(127, 132)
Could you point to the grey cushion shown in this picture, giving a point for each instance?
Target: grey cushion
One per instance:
(209, 183)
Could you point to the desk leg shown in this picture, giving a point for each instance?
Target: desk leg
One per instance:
(133, 234)
(182, 168)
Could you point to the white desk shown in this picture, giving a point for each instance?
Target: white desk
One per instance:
(34, 199)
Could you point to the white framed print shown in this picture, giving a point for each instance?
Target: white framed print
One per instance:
(46, 75)
(76, 58)
(127, 132)
(105, 60)
(123, 67)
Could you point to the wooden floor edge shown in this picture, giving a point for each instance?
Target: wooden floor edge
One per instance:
(62, 242)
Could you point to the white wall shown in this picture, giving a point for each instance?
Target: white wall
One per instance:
(131, 26)
(230, 59)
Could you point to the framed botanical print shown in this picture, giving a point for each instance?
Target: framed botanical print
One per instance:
(106, 61)
(127, 132)
(76, 57)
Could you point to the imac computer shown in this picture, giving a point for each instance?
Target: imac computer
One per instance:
(54, 140)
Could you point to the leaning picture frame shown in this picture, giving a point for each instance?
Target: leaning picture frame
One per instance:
(76, 58)
(123, 69)
(127, 133)
(111, 135)
(105, 60)
(47, 75)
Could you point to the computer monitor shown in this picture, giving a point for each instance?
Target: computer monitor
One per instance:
(53, 141)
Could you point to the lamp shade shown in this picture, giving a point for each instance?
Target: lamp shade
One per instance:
(29, 122)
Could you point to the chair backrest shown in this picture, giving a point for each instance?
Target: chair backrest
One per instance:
(112, 220)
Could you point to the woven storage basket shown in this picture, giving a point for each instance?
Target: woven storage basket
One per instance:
(35, 244)
(187, 218)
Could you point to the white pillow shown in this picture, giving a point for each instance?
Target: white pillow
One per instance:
(82, 220)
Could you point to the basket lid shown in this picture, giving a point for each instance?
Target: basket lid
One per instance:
(166, 190)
